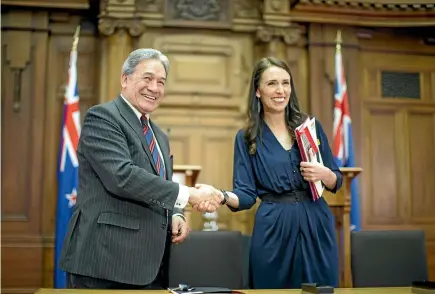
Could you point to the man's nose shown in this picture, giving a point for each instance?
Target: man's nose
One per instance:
(152, 86)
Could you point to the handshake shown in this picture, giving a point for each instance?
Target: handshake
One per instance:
(205, 198)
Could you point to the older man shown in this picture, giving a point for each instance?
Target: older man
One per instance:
(128, 209)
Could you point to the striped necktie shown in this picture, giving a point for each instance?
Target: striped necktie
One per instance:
(151, 141)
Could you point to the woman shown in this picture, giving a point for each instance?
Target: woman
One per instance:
(293, 240)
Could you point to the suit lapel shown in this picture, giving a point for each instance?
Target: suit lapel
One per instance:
(164, 148)
(131, 118)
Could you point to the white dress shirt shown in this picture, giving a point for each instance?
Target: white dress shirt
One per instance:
(183, 193)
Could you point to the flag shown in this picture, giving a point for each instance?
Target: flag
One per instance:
(342, 134)
(67, 170)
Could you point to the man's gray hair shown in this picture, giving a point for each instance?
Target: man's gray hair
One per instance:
(135, 57)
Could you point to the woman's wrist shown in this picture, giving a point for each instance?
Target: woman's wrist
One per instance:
(330, 179)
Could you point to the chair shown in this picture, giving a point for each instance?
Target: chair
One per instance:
(388, 258)
(246, 273)
(208, 259)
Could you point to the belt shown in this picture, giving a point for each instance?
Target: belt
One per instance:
(288, 197)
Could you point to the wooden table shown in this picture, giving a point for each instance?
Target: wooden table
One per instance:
(405, 290)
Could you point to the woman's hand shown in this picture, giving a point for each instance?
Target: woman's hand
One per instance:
(314, 171)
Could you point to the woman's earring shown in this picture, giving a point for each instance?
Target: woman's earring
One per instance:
(258, 105)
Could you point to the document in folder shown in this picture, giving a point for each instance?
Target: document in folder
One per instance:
(306, 138)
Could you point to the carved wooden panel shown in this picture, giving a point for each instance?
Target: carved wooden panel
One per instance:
(421, 134)
(205, 70)
(23, 115)
(381, 168)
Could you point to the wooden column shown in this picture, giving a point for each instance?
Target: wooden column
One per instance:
(116, 46)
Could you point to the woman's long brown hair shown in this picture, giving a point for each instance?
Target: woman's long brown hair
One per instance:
(293, 116)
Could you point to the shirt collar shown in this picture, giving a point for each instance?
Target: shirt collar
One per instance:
(137, 112)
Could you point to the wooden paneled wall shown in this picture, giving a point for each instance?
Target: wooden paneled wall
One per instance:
(398, 114)
(36, 48)
(394, 138)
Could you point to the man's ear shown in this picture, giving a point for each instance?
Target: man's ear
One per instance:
(124, 78)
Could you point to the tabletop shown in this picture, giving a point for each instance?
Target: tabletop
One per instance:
(404, 290)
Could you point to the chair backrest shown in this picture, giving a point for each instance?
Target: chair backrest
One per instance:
(246, 272)
(208, 259)
(388, 258)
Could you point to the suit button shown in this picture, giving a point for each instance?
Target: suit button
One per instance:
(163, 226)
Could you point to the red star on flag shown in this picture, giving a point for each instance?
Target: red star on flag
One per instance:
(72, 198)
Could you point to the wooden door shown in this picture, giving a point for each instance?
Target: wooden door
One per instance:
(399, 143)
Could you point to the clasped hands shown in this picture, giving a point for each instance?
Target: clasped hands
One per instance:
(205, 198)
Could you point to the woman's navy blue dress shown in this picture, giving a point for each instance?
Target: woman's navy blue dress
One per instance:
(292, 243)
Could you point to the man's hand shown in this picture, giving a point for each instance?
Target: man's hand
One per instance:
(205, 198)
(209, 206)
(180, 229)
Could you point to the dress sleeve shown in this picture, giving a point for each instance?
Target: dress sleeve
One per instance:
(243, 175)
(328, 159)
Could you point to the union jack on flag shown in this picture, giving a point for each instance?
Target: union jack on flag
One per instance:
(67, 175)
(342, 135)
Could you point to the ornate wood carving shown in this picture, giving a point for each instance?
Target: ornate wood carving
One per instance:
(289, 35)
(377, 5)
(198, 13)
(366, 12)
(107, 26)
(120, 14)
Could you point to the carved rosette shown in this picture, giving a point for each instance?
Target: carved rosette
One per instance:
(107, 26)
(290, 35)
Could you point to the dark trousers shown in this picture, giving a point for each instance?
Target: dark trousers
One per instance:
(75, 281)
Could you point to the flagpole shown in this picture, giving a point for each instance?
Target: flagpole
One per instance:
(76, 38)
(338, 41)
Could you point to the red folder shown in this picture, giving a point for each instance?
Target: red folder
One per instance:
(306, 139)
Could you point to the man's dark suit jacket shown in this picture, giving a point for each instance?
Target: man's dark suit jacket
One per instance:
(119, 226)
